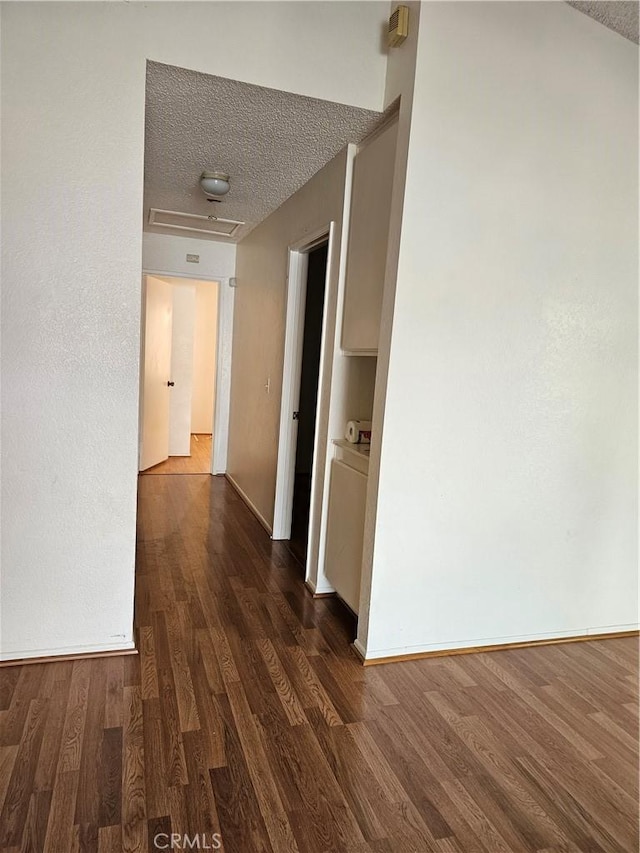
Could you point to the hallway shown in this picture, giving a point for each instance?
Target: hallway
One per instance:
(247, 714)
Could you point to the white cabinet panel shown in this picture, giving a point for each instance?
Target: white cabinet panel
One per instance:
(367, 247)
(345, 531)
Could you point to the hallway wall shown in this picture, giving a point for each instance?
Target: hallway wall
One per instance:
(259, 332)
(73, 78)
(167, 254)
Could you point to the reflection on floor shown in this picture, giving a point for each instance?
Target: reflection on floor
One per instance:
(198, 463)
(300, 518)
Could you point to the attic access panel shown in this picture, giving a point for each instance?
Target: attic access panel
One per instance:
(211, 225)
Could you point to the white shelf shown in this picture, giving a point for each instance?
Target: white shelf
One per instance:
(355, 454)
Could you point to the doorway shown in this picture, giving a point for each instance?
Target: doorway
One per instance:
(304, 343)
(308, 404)
(178, 376)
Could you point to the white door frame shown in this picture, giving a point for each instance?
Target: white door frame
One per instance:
(222, 390)
(291, 373)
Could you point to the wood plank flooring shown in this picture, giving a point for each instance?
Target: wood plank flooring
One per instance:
(246, 714)
(198, 463)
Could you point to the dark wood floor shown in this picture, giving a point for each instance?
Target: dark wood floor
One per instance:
(246, 714)
(299, 539)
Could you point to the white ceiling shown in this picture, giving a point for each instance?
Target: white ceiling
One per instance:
(270, 142)
(619, 16)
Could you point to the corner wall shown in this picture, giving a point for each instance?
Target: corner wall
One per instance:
(73, 78)
(510, 512)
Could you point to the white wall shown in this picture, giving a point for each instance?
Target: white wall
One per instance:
(73, 79)
(204, 357)
(167, 254)
(401, 72)
(512, 511)
(182, 369)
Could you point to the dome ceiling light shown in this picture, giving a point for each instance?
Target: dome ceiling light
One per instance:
(214, 184)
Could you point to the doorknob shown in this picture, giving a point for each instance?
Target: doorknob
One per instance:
(171, 384)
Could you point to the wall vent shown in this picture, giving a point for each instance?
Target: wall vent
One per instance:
(216, 227)
(398, 26)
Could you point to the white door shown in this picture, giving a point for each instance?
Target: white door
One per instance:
(156, 389)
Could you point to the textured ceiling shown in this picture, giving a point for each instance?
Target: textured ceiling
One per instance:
(270, 143)
(619, 16)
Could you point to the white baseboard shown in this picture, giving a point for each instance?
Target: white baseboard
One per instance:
(67, 651)
(321, 588)
(458, 646)
(247, 500)
(360, 649)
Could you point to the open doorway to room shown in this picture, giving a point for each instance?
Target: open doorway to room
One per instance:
(297, 465)
(177, 394)
(308, 400)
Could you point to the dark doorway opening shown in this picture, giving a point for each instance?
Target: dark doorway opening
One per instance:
(312, 339)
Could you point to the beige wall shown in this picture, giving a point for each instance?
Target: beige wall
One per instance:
(259, 329)
(204, 357)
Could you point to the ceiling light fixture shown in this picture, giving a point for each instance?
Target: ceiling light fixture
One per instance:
(214, 184)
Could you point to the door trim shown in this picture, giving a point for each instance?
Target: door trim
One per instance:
(291, 373)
